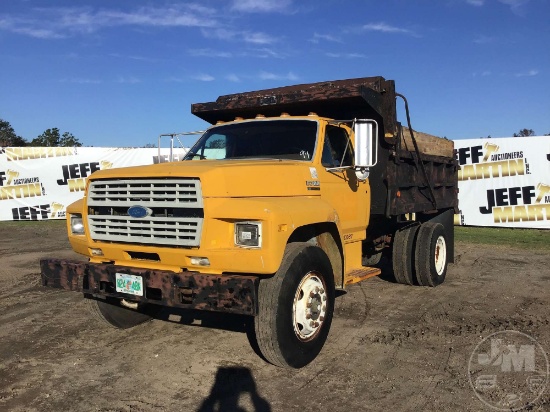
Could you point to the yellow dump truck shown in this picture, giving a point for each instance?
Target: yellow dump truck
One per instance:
(291, 194)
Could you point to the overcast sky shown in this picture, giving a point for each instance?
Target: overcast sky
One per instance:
(119, 73)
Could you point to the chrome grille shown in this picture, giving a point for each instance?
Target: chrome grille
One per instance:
(146, 192)
(176, 211)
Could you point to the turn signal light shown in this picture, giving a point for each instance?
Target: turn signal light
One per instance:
(199, 261)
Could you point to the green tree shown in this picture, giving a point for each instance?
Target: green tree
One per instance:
(8, 137)
(52, 138)
(524, 133)
(68, 140)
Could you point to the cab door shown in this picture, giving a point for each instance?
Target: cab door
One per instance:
(340, 187)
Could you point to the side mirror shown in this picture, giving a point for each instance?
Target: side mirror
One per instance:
(366, 144)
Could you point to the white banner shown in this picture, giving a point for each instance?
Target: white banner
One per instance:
(504, 182)
(38, 183)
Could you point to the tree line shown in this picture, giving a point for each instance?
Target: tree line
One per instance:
(527, 132)
(49, 138)
(521, 133)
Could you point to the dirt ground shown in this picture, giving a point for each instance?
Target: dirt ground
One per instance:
(391, 347)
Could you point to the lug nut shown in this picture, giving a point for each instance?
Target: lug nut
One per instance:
(321, 291)
(316, 289)
(316, 325)
(308, 315)
(312, 294)
(312, 324)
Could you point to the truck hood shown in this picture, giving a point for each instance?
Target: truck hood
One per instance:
(231, 178)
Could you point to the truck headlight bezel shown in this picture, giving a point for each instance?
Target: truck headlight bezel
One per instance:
(77, 224)
(248, 234)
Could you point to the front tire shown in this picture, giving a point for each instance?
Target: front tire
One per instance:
(114, 314)
(296, 306)
(431, 254)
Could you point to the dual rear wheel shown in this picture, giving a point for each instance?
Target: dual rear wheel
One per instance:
(419, 254)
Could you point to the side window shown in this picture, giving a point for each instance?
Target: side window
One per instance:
(337, 150)
(215, 147)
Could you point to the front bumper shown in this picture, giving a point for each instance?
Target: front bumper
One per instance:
(190, 290)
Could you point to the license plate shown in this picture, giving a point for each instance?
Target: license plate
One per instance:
(129, 284)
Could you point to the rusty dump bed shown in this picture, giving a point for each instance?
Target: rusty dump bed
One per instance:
(190, 290)
(408, 178)
(341, 99)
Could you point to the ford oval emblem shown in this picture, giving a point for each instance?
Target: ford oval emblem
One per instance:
(139, 212)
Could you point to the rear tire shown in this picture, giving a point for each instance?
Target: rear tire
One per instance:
(114, 314)
(403, 253)
(296, 307)
(431, 254)
(371, 260)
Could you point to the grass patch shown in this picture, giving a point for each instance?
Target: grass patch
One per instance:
(520, 238)
(27, 223)
(33, 229)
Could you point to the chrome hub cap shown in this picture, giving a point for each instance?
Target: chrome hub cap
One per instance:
(309, 307)
(440, 255)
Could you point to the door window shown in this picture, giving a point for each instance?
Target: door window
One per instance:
(337, 150)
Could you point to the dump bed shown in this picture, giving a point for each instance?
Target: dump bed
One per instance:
(408, 178)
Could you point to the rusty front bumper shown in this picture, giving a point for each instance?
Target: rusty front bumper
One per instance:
(191, 290)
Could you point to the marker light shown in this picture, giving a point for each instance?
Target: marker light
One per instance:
(199, 261)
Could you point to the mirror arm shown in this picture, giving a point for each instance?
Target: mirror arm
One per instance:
(332, 169)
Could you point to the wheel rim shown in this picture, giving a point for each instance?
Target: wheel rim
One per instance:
(440, 255)
(309, 307)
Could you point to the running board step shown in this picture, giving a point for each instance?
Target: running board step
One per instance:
(358, 275)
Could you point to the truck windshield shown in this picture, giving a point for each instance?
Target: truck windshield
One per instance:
(266, 139)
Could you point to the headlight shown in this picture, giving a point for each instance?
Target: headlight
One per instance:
(248, 234)
(77, 227)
